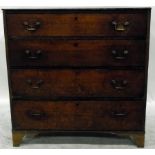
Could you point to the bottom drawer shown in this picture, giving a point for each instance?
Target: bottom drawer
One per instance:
(78, 115)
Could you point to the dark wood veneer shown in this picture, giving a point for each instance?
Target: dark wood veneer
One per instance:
(78, 71)
(79, 83)
(76, 53)
(79, 115)
(76, 24)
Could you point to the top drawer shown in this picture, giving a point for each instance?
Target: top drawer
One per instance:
(113, 24)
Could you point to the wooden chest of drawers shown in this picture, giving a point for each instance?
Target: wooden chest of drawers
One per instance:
(78, 71)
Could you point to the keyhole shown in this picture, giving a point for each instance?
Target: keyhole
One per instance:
(76, 44)
(77, 104)
(75, 18)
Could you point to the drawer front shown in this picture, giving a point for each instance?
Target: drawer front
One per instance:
(78, 115)
(77, 24)
(77, 83)
(27, 53)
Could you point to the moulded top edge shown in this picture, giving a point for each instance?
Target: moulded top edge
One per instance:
(75, 9)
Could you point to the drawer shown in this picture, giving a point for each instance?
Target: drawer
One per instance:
(78, 115)
(77, 24)
(59, 83)
(76, 53)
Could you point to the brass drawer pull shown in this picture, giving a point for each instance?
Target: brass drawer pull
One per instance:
(33, 55)
(120, 26)
(119, 114)
(120, 55)
(119, 84)
(33, 26)
(35, 84)
(37, 115)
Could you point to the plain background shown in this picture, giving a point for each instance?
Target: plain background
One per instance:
(4, 95)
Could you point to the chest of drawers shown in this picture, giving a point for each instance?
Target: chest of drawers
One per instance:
(78, 71)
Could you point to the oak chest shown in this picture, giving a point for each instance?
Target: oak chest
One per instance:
(78, 71)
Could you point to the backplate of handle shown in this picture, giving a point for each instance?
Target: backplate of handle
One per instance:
(119, 84)
(119, 114)
(120, 26)
(35, 84)
(120, 55)
(37, 115)
(33, 55)
(31, 26)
